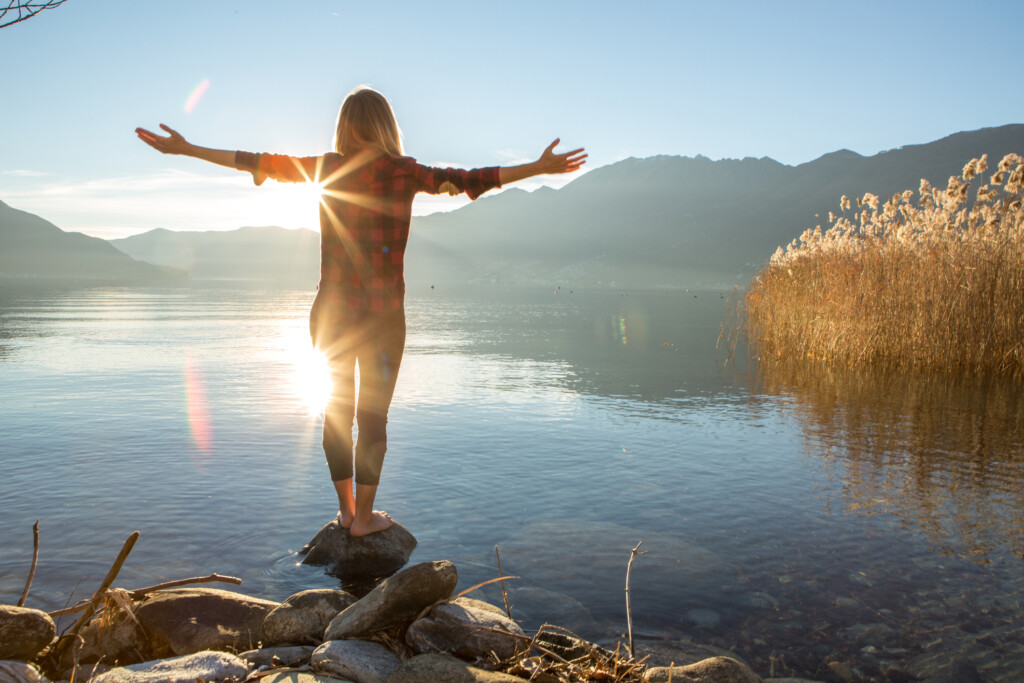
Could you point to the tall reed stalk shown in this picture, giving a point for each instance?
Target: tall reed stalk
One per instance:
(932, 282)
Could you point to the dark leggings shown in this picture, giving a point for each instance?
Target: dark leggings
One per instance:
(376, 343)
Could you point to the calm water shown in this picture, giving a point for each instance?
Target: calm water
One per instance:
(799, 518)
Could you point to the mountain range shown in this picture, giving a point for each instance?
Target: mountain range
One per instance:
(664, 221)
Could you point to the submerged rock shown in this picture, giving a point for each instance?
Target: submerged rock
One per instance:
(434, 668)
(303, 617)
(24, 632)
(465, 630)
(361, 558)
(188, 620)
(713, 670)
(204, 666)
(397, 600)
(360, 660)
(115, 640)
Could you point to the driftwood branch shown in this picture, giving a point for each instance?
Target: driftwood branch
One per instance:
(107, 580)
(35, 561)
(504, 595)
(629, 616)
(484, 583)
(139, 593)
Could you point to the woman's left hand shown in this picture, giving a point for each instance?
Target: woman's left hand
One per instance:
(550, 162)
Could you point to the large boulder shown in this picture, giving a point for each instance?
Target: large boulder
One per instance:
(360, 558)
(298, 677)
(434, 668)
(465, 630)
(183, 621)
(24, 632)
(303, 618)
(396, 601)
(712, 670)
(360, 660)
(20, 672)
(204, 666)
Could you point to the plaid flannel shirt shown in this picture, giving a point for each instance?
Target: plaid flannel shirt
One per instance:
(365, 210)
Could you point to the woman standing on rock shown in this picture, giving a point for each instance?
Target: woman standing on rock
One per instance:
(358, 315)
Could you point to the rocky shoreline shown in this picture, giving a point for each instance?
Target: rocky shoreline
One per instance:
(409, 627)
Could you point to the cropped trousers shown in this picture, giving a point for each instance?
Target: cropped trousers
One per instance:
(374, 343)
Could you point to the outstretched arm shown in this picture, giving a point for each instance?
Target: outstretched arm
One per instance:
(174, 143)
(549, 162)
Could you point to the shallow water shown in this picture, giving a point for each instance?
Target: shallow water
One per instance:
(798, 517)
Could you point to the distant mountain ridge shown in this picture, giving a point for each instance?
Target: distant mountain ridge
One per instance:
(658, 222)
(269, 254)
(33, 248)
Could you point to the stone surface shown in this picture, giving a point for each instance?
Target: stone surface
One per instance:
(206, 666)
(303, 617)
(535, 606)
(295, 655)
(84, 672)
(118, 642)
(188, 620)
(436, 668)
(397, 600)
(360, 660)
(301, 677)
(24, 632)
(464, 630)
(713, 670)
(363, 558)
(20, 672)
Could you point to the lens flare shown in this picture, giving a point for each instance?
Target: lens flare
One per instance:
(196, 95)
(195, 404)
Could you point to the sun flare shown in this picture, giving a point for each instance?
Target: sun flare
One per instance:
(311, 381)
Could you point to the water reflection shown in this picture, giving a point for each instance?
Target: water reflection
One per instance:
(941, 456)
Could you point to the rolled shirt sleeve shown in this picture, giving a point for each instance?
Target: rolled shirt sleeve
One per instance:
(474, 182)
(280, 167)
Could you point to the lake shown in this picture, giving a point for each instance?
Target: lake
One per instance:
(805, 518)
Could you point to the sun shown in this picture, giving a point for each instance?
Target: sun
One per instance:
(310, 377)
(290, 204)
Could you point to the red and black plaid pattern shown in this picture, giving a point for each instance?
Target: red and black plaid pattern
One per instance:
(365, 210)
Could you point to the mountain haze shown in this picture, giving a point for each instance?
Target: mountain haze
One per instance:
(34, 248)
(268, 254)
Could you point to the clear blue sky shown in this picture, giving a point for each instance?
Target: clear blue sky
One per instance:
(473, 84)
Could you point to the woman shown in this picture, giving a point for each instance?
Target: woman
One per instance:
(358, 315)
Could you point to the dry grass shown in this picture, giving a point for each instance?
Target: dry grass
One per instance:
(935, 282)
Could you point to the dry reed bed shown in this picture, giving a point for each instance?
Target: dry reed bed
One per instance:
(935, 282)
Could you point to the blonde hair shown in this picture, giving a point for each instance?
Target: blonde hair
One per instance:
(366, 119)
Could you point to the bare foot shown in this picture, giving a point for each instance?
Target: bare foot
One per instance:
(345, 519)
(379, 521)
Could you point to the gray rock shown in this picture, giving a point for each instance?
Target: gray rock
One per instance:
(20, 672)
(296, 655)
(300, 677)
(713, 670)
(188, 620)
(205, 666)
(84, 672)
(360, 558)
(466, 631)
(867, 633)
(397, 600)
(944, 667)
(436, 668)
(360, 660)
(302, 618)
(115, 640)
(479, 604)
(700, 616)
(24, 632)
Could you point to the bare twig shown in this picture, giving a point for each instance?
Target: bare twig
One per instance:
(35, 560)
(629, 617)
(108, 579)
(484, 583)
(504, 595)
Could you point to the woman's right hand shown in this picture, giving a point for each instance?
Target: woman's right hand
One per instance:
(174, 143)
